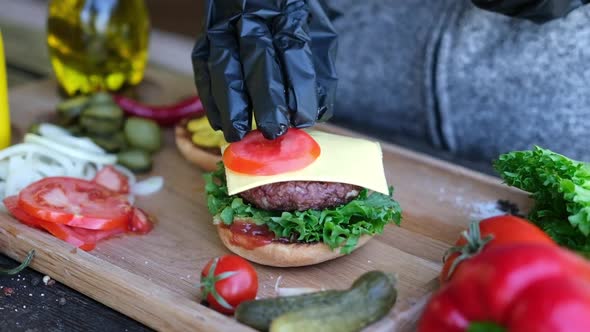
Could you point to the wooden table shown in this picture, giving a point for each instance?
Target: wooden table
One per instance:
(62, 308)
(32, 305)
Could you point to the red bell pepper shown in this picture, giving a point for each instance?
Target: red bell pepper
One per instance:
(519, 287)
(487, 234)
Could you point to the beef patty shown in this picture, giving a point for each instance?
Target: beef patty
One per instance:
(300, 195)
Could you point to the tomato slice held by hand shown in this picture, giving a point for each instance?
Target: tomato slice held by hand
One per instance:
(489, 233)
(84, 239)
(256, 155)
(75, 202)
(227, 281)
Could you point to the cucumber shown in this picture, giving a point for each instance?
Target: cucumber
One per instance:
(369, 298)
(103, 119)
(101, 97)
(113, 143)
(34, 129)
(69, 110)
(143, 134)
(138, 161)
(75, 130)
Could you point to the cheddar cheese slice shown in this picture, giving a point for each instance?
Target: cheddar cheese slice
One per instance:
(342, 159)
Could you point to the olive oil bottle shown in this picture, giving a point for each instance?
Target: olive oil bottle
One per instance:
(97, 44)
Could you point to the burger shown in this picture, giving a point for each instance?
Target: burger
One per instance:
(301, 199)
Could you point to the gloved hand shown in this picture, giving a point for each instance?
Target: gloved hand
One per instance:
(273, 58)
(539, 11)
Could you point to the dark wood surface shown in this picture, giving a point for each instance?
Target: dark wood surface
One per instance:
(26, 303)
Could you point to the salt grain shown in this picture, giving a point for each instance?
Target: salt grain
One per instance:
(46, 279)
(478, 209)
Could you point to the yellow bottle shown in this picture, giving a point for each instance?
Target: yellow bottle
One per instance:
(4, 110)
(97, 44)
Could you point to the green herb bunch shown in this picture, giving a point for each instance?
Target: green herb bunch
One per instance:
(560, 188)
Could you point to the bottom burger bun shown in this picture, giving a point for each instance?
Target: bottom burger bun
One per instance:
(205, 159)
(279, 254)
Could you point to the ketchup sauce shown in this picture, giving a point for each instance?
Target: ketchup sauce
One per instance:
(249, 235)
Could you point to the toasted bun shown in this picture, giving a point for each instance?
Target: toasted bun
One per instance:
(206, 160)
(284, 254)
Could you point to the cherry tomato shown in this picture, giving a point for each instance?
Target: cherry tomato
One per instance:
(227, 281)
(112, 179)
(489, 233)
(84, 239)
(75, 202)
(140, 223)
(255, 155)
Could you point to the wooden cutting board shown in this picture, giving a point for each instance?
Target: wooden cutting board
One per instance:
(152, 278)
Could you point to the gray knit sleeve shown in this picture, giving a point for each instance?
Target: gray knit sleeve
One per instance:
(539, 11)
(471, 81)
(504, 84)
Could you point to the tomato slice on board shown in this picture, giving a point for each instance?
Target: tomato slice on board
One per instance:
(112, 179)
(11, 204)
(256, 155)
(84, 239)
(75, 202)
(141, 222)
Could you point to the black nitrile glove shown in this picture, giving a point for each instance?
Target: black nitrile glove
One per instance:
(274, 58)
(539, 11)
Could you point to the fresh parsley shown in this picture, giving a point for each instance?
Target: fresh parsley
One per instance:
(560, 188)
(337, 227)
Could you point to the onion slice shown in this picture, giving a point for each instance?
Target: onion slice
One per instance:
(3, 170)
(57, 153)
(285, 291)
(71, 152)
(49, 130)
(148, 186)
(130, 176)
(62, 136)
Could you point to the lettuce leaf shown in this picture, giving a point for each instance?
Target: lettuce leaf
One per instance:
(560, 188)
(337, 227)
